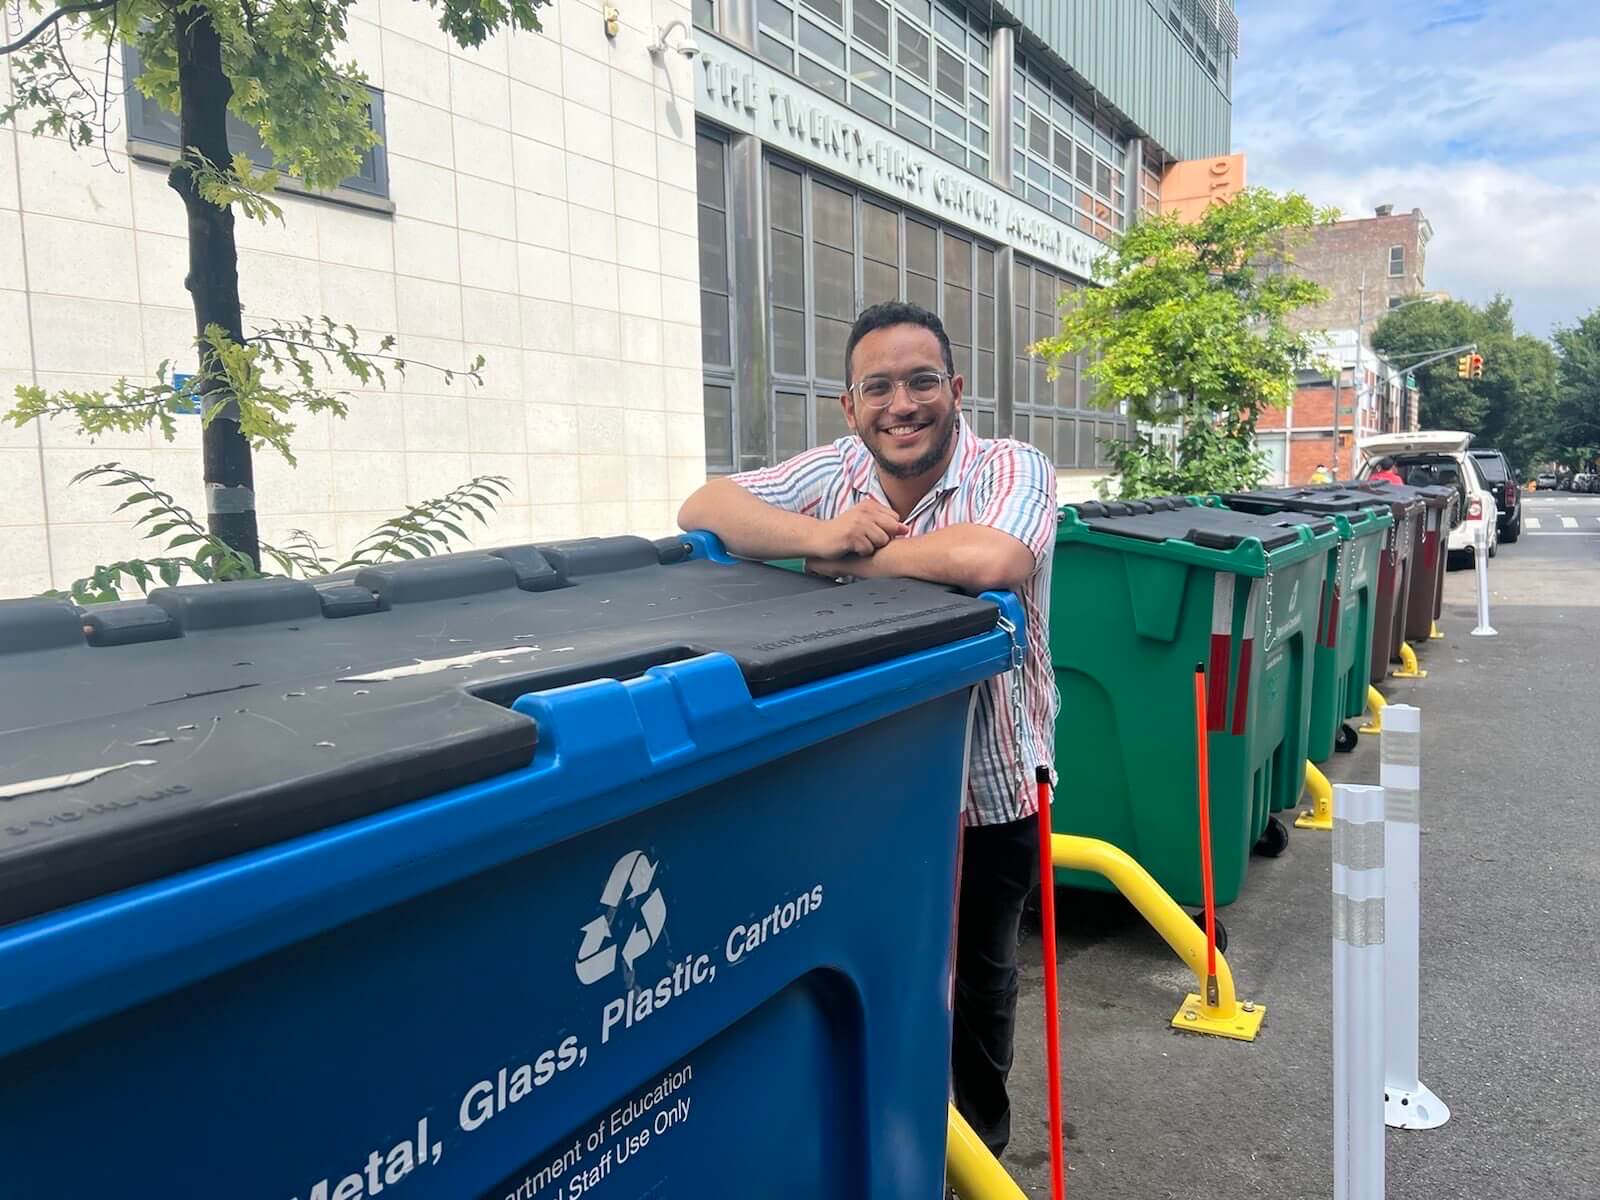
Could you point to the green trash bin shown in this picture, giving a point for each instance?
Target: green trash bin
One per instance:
(1141, 592)
(1343, 659)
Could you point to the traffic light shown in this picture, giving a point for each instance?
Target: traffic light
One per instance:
(1477, 366)
(1464, 367)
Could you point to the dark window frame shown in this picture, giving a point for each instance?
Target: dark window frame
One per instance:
(151, 126)
(908, 104)
(721, 375)
(819, 384)
(1090, 425)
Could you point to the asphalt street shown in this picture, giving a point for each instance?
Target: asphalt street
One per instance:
(1510, 944)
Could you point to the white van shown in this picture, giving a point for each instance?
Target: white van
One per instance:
(1433, 457)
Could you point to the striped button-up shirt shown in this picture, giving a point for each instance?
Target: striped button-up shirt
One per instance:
(1005, 485)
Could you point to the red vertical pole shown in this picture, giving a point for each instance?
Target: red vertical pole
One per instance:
(1052, 1002)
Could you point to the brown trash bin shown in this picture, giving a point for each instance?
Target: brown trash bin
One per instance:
(1441, 514)
(1404, 545)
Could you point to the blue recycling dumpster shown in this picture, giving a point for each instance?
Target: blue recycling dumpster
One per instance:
(611, 868)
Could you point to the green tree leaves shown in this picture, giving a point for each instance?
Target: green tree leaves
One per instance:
(1512, 408)
(1577, 439)
(193, 553)
(1191, 324)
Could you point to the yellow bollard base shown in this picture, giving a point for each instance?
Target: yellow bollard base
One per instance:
(1408, 664)
(1436, 634)
(1242, 1026)
(1375, 727)
(1310, 820)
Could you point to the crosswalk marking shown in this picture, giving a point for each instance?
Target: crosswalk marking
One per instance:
(1569, 522)
(1533, 522)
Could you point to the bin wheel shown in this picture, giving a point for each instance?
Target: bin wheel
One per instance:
(1222, 930)
(1275, 840)
(1345, 740)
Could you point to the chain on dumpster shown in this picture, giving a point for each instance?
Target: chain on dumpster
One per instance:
(1018, 657)
(1272, 633)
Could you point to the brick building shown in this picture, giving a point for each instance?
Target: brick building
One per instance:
(1369, 266)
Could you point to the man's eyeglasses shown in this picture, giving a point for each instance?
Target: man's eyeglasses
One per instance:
(877, 391)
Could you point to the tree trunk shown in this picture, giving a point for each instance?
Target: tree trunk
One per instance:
(213, 279)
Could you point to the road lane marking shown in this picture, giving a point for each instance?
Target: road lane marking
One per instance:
(1569, 522)
(1533, 522)
(1563, 533)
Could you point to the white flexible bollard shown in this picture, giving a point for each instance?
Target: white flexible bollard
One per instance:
(1358, 888)
(1480, 568)
(1407, 1103)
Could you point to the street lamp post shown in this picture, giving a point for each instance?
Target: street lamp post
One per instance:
(1355, 383)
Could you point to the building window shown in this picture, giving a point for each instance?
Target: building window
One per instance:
(834, 250)
(1056, 416)
(1066, 157)
(1397, 261)
(148, 122)
(716, 303)
(918, 66)
(1396, 301)
(705, 14)
(1149, 188)
(1210, 32)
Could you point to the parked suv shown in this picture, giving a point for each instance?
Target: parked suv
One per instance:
(1507, 491)
(1545, 482)
(1435, 457)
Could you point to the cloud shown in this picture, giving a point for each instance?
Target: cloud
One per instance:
(1480, 112)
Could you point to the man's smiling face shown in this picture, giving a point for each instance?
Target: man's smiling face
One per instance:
(908, 438)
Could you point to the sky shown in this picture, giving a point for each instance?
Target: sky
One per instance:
(1483, 113)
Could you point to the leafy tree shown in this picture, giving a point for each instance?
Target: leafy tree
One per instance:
(1446, 402)
(1512, 408)
(1578, 405)
(277, 66)
(1190, 325)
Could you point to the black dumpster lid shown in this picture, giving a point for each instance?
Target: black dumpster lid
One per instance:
(147, 737)
(1175, 518)
(1435, 495)
(1307, 500)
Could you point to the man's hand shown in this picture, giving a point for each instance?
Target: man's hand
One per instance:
(857, 532)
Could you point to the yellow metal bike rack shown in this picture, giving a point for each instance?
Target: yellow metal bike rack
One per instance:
(1408, 664)
(1321, 792)
(1229, 1017)
(1435, 634)
(975, 1173)
(1376, 703)
(970, 1168)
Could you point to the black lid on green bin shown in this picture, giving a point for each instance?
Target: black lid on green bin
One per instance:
(1176, 518)
(1302, 499)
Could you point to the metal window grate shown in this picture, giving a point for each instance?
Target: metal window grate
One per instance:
(833, 250)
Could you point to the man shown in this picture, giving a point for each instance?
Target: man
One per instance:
(1386, 472)
(1321, 475)
(914, 492)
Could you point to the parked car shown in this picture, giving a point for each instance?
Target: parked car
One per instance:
(1507, 491)
(1545, 481)
(1433, 457)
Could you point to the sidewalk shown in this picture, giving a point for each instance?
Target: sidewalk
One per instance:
(1511, 969)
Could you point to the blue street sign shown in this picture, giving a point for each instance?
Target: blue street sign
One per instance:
(185, 403)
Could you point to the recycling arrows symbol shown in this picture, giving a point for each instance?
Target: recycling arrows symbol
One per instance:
(631, 878)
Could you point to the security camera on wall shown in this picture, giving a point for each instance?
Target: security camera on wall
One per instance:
(688, 47)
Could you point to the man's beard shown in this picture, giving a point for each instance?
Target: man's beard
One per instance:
(924, 464)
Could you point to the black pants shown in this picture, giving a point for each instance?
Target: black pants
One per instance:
(999, 866)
